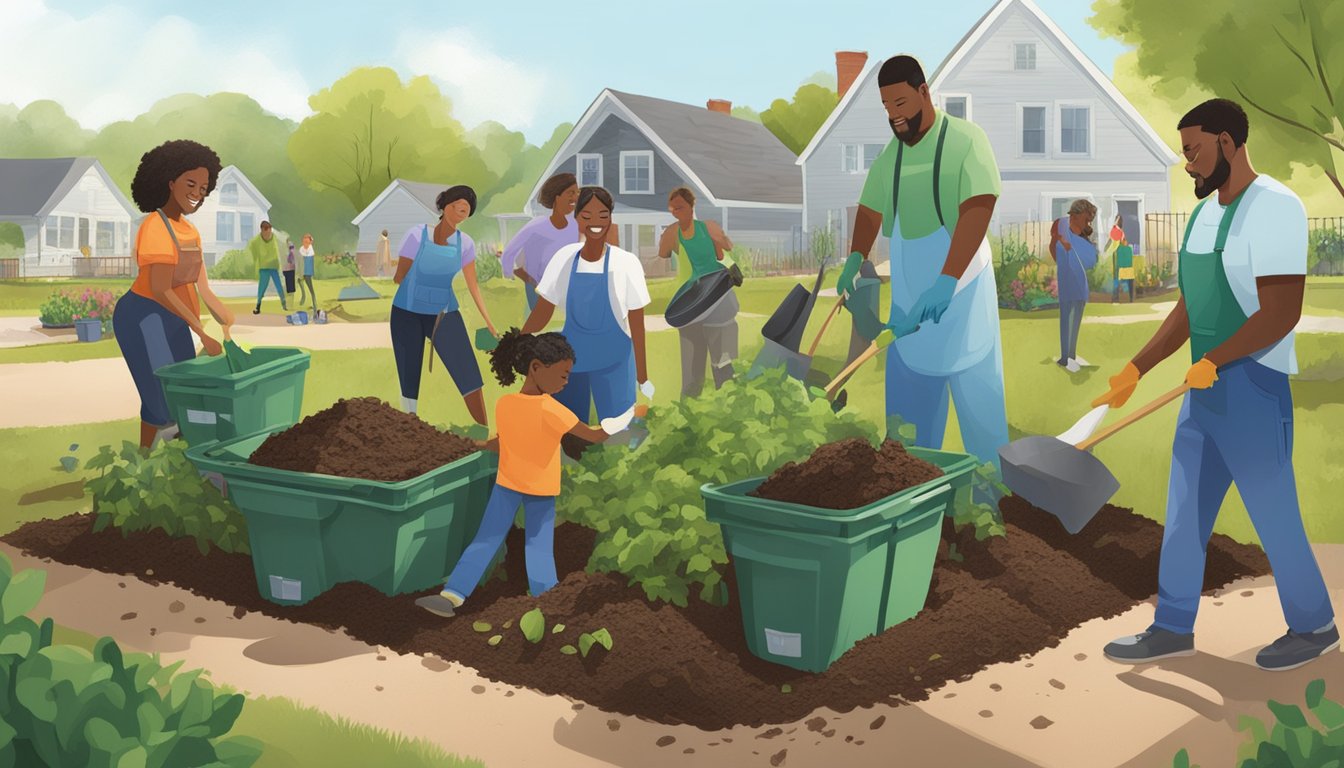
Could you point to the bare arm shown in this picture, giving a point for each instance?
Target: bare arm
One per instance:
(474, 288)
(403, 266)
(1174, 332)
(1280, 309)
(972, 224)
(541, 315)
(667, 242)
(591, 434)
(720, 238)
(524, 276)
(161, 285)
(867, 226)
(636, 318)
(222, 314)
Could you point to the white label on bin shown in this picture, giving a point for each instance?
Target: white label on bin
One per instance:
(201, 417)
(788, 644)
(226, 417)
(286, 589)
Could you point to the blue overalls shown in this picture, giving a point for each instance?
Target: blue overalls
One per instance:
(1238, 430)
(425, 307)
(604, 356)
(961, 352)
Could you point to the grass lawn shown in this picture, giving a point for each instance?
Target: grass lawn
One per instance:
(1325, 296)
(297, 737)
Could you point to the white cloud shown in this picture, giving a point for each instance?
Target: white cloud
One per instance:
(482, 84)
(113, 64)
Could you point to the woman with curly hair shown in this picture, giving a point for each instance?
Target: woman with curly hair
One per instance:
(154, 321)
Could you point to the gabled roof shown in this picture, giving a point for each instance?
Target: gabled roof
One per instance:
(423, 193)
(733, 162)
(234, 171)
(34, 187)
(972, 39)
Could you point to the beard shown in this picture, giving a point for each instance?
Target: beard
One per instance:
(1205, 186)
(911, 128)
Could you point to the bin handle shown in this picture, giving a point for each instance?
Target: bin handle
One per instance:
(920, 499)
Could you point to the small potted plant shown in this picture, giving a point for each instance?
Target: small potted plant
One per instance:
(88, 328)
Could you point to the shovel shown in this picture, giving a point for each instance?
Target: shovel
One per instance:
(1060, 475)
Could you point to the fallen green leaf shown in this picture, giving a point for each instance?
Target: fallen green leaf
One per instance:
(533, 625)
(568, 650)
(557, 629)
(935, 657)
(481, 626)
(786, 688)
(508, 623)
(495, 640)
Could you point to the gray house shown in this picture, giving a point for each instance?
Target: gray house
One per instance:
(63, 205)
(232, 215)
(640, 148)
(1059, 129)
(397, 209)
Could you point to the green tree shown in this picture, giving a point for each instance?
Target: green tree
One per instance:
(1292, 87)
(41, 129)
(747, 113)
(795, 122)
(518, 175)
(370, 128)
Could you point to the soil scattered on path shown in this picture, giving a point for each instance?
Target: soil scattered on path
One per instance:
(847, 474)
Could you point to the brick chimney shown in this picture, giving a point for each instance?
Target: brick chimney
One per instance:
(848, 66)
(720, 105)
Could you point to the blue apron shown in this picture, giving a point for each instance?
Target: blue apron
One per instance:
(428, 286)
(590, 324)
(968, 329)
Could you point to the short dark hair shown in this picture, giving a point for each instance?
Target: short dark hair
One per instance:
(554, 186)
(166, 162)
(265, 225)
(587, 194)
(1219, 116)
(684, 193)
(453, 194)
(901, 69)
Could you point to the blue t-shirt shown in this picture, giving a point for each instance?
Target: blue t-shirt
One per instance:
(1072, 266)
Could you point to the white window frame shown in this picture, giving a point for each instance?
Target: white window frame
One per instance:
(232, 235)
(1132, 197)
(245, 232)
(629, 155)
(1049, 196)
(863, 154)
(845, 166)
(223, 200)
(578, 167)
(1091, 107)
(1022, 107)
(943, 102)
(1035, 56)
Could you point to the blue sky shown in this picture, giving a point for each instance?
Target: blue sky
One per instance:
(529, 65)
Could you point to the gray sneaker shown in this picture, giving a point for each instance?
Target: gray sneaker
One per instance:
(1150, 645)
(1293, 649)
(438, 605)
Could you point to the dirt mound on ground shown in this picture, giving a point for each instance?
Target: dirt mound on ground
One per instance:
(847, 474)
(362, 438)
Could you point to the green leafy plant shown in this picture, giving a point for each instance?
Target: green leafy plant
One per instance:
(1291, 740)
(645, 503)
(1325, 251)
(533, 625)
(135, 491)
(488, 266)
(597, 637)
(61, 705)
(65, 307)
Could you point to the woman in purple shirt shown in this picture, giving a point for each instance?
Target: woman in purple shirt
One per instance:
(541, 237)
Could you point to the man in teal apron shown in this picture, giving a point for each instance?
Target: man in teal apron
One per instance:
(1242, 274)
(932, 192)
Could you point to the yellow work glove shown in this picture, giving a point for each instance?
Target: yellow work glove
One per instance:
(1202, 374)
(1122, 386)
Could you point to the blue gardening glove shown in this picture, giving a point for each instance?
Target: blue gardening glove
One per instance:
(902, 324)
(845, 285)
(933, 302)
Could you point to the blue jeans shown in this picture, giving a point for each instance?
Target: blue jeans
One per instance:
(265, 276)
(539, 533)
(1239, 430)
(151, 336)
(530, 291)
(1070, 322)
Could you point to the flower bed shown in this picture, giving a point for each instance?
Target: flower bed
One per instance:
(63, 308)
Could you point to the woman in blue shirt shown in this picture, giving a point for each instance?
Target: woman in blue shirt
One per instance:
(1074, 252)
(425, 306)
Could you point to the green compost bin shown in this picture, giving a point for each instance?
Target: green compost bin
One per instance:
(211, 402)
(309, 532)
(813, 582)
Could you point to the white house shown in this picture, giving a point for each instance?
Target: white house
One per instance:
(64, 204)
(400, 207)
(231, 215)
(639, 148)
(1058, 127)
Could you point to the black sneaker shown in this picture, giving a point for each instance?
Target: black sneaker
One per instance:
(1293, 649)
(257, 310)
(1150, 645)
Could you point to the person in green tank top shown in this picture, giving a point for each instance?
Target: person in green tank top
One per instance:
(714, 336)
(1242, 272)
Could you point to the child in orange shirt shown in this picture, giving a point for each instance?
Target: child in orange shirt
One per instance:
(531, 424)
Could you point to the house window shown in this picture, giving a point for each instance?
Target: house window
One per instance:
(67, 232)
(637, 173)
(106, 241)
(1024, 56)
(228, 193)
(1060, 206)
(955, 106)
(123, 237)
(224, 231)
(870, 153)
(849, 158)
(85, 232)
(1073, 130)
(1033, 130)
(246, 226)
(53, 232)
(589, 170)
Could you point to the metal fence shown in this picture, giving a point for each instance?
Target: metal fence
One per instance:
(1033, 234)
(1162, 234)
(85, 268)
(1325, 245)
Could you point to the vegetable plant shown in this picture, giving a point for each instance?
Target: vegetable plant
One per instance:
(533, 625)
(597, 637)
(135, 491)
(1292, 740)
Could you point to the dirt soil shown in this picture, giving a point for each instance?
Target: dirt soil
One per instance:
(847, 474)
(1006, 598)
(365, 438)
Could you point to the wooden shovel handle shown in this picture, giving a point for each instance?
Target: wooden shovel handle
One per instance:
(834, 311)
(1162, 400)
(849, 370)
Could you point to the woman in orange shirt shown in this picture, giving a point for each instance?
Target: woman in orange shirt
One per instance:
(154, 321)
(531, 424)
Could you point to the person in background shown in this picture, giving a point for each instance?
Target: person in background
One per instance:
(154, 321)
(531, 425)
(1074, 252)
(290, 269)
(425, 306)
(1123, 272)
(265, 251)
(541, 237)
(384, 253)
(307, 254)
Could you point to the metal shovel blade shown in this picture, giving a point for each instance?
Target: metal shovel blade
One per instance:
(1085, 426)
(1055, 476)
